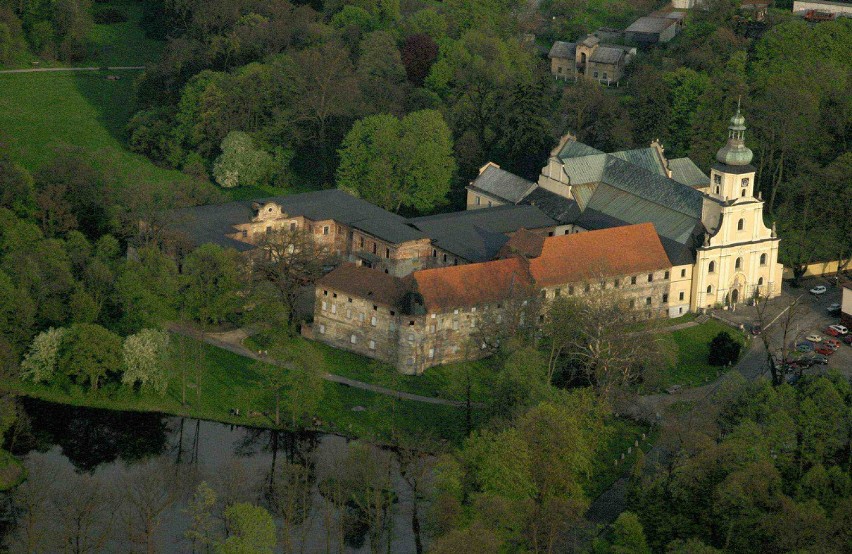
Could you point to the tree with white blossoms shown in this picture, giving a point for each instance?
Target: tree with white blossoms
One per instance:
(144, 356)
(40, 362)
(241, 162)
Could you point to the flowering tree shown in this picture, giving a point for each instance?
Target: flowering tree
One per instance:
(143, 354)
(40, 362)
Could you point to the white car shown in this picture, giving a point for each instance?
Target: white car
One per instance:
(832, 308)
(813, 338)
(839, 328)
(819, 289)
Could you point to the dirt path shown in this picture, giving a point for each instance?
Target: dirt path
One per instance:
(232, 342)
(68, 69)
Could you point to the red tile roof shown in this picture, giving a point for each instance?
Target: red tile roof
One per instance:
(615, 251)
(365, 283)
(523, 242)
(472, 284)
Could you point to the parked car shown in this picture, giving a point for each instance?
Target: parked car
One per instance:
(833, 309)
(804, 347)
(839, 329)
(824, 349)
(813, 337)
(813, 360)
(847, 339)
(834, 344)
(819, 289)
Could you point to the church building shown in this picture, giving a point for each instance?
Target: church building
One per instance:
(712, 227)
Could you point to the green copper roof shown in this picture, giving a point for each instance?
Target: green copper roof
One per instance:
(735, 152)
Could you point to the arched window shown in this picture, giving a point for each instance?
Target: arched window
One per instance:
(709, 289)
(712, 267)
(740, 224)
(738, 264)
(763, 259)
(760, 282)
(743, 193)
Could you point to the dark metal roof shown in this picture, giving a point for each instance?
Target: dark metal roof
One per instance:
(210, 224)
(650, 24)
(502, 184)
(477, 235)
(646, 158)
(564, 210)
(685, 171)
(574, 149)
(734, 169)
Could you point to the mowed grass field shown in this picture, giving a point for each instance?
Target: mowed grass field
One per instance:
(43, 112)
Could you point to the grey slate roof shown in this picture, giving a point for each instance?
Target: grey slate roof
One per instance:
(561, 49)
(210, 224)
(607, 54)
(503, 184)
(563, 210)
(477, 235)
(650, 24)
(686, 172)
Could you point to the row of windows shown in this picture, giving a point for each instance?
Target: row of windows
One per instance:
(738, 264)
(616, 283)
(479, 202)
(759, 284)
(717, 179)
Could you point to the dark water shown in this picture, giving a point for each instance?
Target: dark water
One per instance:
(120, 481)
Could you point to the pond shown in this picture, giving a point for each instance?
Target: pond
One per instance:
(111, 481)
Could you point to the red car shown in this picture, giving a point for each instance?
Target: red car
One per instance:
(848, 339)
(832, 343)
(824, 349)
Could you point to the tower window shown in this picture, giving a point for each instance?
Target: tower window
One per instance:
(740, 224)
(712, 267)
(717, 190)
(738, 264)
(743, 193)
(709, 289)
(680, 296)
(760, 281)
(763, 259)
(717, 179)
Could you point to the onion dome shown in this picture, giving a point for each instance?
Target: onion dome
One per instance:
(735, 152)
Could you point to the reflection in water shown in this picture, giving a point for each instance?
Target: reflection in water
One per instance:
(121, 481)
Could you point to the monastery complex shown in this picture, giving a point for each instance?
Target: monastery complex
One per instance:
(418, 292)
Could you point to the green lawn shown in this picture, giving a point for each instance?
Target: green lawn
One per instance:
(230, 381)
(438, 381)
(693, 347)
(122, 44)
(41, 112)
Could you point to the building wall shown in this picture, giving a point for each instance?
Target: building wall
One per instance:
(604, 72)
(477, 200)
(563, 68)
(356, 324)
(846, 307)
(680, 290)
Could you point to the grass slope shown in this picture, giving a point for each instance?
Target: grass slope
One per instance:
(230, 381)
(693, 348)
(41, 112)
(122, 44)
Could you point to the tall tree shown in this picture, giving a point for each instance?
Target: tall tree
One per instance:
(251, 529)
(90, 354)
(398, 163)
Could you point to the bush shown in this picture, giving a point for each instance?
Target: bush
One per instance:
(108, 16)
(724, 349)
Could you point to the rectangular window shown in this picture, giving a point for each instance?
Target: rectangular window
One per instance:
(455, 325)
(373, 321)
(445, 258)
(604, 74)
(596, 74)
(632, 304)
(633, 280)
(683, 273)
(334, 308)
(387, 252)
(650, 277)
(478, 201)
(499, 318)
(348, 314)
(717, 179)
(617, 283)
(434, 253)
(245, 233)
(557, 293)
(324, 305)
(372, 345)
(571, 290)
(410, 338)
(361, 242)
(322, 329)
(292, 225)
(587, 288)
(648, 301)
(665, 298)
(680, 296)
(325, 293)
(325, 230)
(431, 353)
(666, 276)
(375, 248)
(353, 339)
(361, 317)
(603, 285)
(375, 308)
(268, 230)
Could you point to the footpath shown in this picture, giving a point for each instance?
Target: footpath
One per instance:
(67, 69)
(232, 342)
